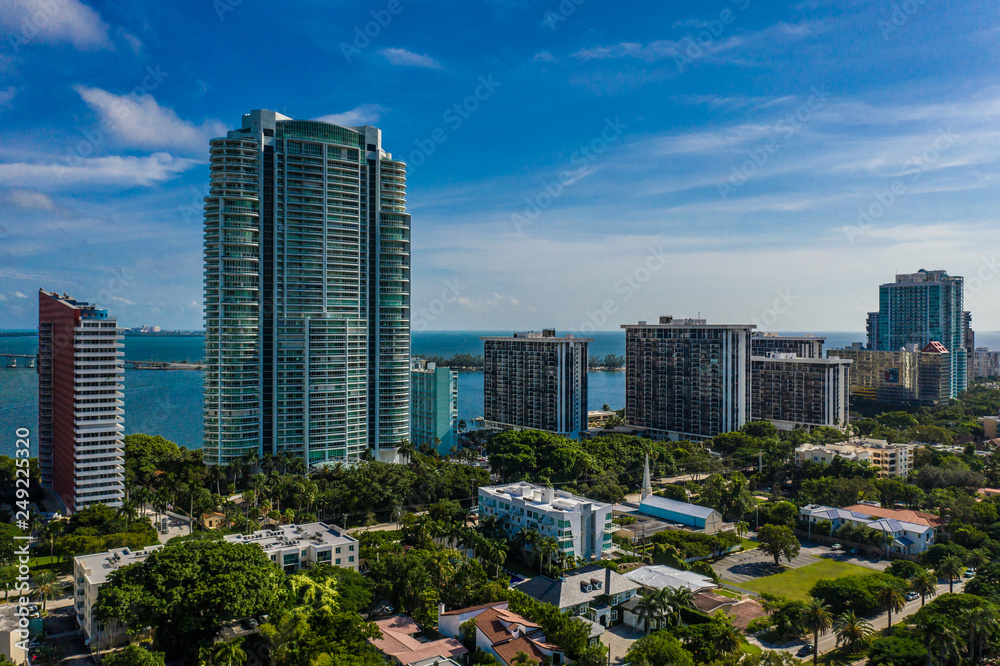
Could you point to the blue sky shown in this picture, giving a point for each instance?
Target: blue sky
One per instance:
(576, 164)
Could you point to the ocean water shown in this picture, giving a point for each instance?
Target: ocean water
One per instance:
(169, 402)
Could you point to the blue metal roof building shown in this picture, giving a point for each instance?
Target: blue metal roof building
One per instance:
(692, 515)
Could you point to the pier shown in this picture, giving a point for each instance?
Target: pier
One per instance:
(17, 361)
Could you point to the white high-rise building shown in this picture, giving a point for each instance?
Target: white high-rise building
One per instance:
(307, 293)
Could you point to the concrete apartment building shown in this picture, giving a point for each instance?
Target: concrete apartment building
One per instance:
(687, 379)
(536, 381)
(790, 391)
(307, 293)
(582, 526)
(763, 343)
(81, 416)
(986, 363)
(893, 460)
(920, 308)
(433, 406)
(909, 376)
(292, 547)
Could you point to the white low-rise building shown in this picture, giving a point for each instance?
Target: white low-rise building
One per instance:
(581, 526)
(893, 460)
(908, 538)
(90, 573)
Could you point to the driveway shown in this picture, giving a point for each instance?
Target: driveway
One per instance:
(742, 567)
(619, 639)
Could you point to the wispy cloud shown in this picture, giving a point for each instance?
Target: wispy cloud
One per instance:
(7, 96)
(19, 294)
(140, 122)
(65, 21)
(29, 200)
(114, 169)
(359, 115)
(405, 58)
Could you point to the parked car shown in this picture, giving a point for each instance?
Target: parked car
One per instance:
(910, 596)
(836, 546)
(248, 623)
(970, 573)
(805, 650)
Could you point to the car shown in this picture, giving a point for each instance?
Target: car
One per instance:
(248, 623)
(805, 650)
(910, 596)
(836, 546)
(970, 573)
(263, 618)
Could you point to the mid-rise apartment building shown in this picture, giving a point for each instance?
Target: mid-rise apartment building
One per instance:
(687, 379)
(893, 460)
(923, 307)
(536, 381)
(791, 391)
(81, 379)
(292, 547)
(764, 343)
(986, 363)
(581, 526)
(433, 406)
(908, 376)
(307, 293)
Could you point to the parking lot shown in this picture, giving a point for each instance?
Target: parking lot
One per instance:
(742, 567)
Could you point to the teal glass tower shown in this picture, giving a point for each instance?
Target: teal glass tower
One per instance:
(307, 293)
(923, 307)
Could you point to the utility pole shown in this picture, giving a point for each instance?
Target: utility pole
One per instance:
(760, 462)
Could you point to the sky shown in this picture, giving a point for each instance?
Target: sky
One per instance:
(575, 164)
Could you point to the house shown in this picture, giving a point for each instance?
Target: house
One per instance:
(501, 632)
(593, 592)
(698, 517)
(213, 520)
(905, 515)
(659, 577)
(402, 643)
(908, 538)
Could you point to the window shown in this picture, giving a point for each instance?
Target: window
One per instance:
(338, 550)
(350, 559)
(614, 615)
(338, 561)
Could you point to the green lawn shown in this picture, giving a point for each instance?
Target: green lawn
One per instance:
(726, 593)
(796, 583)
(748, 544)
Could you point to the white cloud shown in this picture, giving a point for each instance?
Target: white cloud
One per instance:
(122, 300)
(142, 123)
(7, 96)
(54, 22)
(19, 294)
(410, 59)
(113, 169)
(359, 115)
(30, 200)
(134, 42)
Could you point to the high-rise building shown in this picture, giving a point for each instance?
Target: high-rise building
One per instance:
(790, 391)
(923, 307)
(909, 376)
(433, 406)
(536, 381)
(687, 379)
(804, 346)
(986, 363)
(81, 379)
(307, 293)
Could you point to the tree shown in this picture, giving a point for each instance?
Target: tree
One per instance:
(648, 608)
(924, 584)
(659, 648)
(187, 591)
(230, 653)
(134, 655)
(778, 541)
(890, 599)
(893, 651)
(679, 598)
(951, 568)
(46, 586)
(817, 619)
(853, 633)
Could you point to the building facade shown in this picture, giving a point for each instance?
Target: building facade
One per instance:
(81, 416)
(892, 460)
(923, 307)
(913, 376)
(433, 406)
(764, 343)
(536, 381)
(686, 379)
(986, 363)
(790, 391)
(907, 538)
(703, 518)
(307, 293)
(581, 526)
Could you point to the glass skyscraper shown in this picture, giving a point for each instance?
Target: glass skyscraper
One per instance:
(307, 293)
(923, 307)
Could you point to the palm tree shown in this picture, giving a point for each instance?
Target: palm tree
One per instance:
(46, 586)
(648, 608)
(951, 568)
(924, 584)
(982, 621)
(729, 639)
(230, 653)
(890, 599)
(979, 558)
(205, 657)
(547, 548)
(817, 619)
(852, 632)
(742, 527)
(680, 598)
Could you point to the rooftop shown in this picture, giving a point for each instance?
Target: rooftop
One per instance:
(400, 641)
(571, 589)
(904, 515)
(542, 498)
(99, 566)
(683, 508)
(668, 321)
(661, 576)
(280, 537)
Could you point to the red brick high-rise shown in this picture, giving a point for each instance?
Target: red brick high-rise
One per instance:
(81, 375)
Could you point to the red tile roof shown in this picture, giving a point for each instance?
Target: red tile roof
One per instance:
(398, 641)
(904, 515)
(508, 650)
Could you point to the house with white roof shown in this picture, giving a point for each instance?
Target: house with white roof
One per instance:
(908, 538)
